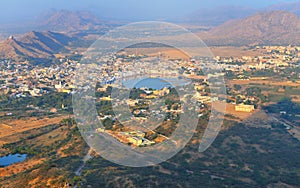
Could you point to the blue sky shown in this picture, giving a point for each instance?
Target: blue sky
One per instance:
(19, 10)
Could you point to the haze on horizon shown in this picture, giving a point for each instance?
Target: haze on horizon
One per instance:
(15, 11)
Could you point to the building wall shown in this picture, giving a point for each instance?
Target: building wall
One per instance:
(244, 108)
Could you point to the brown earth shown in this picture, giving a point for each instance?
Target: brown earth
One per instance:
(19, 167)
(264, 82)
(230, 109)
(12, 127)
(172, 53)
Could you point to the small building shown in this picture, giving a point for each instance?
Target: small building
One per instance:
(135, 141)
(282, 112)
(244, 108)
(132, 102)
(65, 91)
(150, 97)
(199, 87)
(138, 134)
(101, 89)
(143, 95)
(106, 99)
(100, 130)
(53, 110)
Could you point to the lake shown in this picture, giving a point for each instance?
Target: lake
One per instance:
(12, 159)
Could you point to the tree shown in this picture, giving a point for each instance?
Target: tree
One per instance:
(237, 87)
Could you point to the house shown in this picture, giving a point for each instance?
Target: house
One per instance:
(244, 108)
(132, 102)
(138, 133)
(100, 130)
(135, 141)
(53, 110)
(143, 95)
(106, 99)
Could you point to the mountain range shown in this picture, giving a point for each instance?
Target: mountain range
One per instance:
(35, 45)
(219, 15)
(293, 7)
(269, 28)
(264, 28)
(70, 21)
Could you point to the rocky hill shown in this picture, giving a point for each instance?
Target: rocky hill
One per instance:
(68, 21)
(275, 27)
(35, 45)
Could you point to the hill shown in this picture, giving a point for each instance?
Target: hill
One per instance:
(275, 27)
(218, 16)
(67, 21)
(293, 7)
(35, 45)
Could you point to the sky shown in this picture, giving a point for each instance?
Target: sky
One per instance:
(16, 10)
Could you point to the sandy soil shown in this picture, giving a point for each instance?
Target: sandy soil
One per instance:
(230, 109)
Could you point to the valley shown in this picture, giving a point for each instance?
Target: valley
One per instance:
(54, 97)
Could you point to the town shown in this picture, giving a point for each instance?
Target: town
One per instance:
(23, 80)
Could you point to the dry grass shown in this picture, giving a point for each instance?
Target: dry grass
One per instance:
(264, 82)
(227, 51)
(51, 137)
(295, 131)
(19, 167)
(12, 131)
(9, 128)
(224, 51)
(165, 53)
(295, 98)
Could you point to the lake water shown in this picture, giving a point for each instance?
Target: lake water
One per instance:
(12, 159)
(154, 83)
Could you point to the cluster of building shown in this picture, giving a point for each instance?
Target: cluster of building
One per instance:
(244, 108)
(134, 138)
(275, 57)
(21, 79)
(275, 60)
